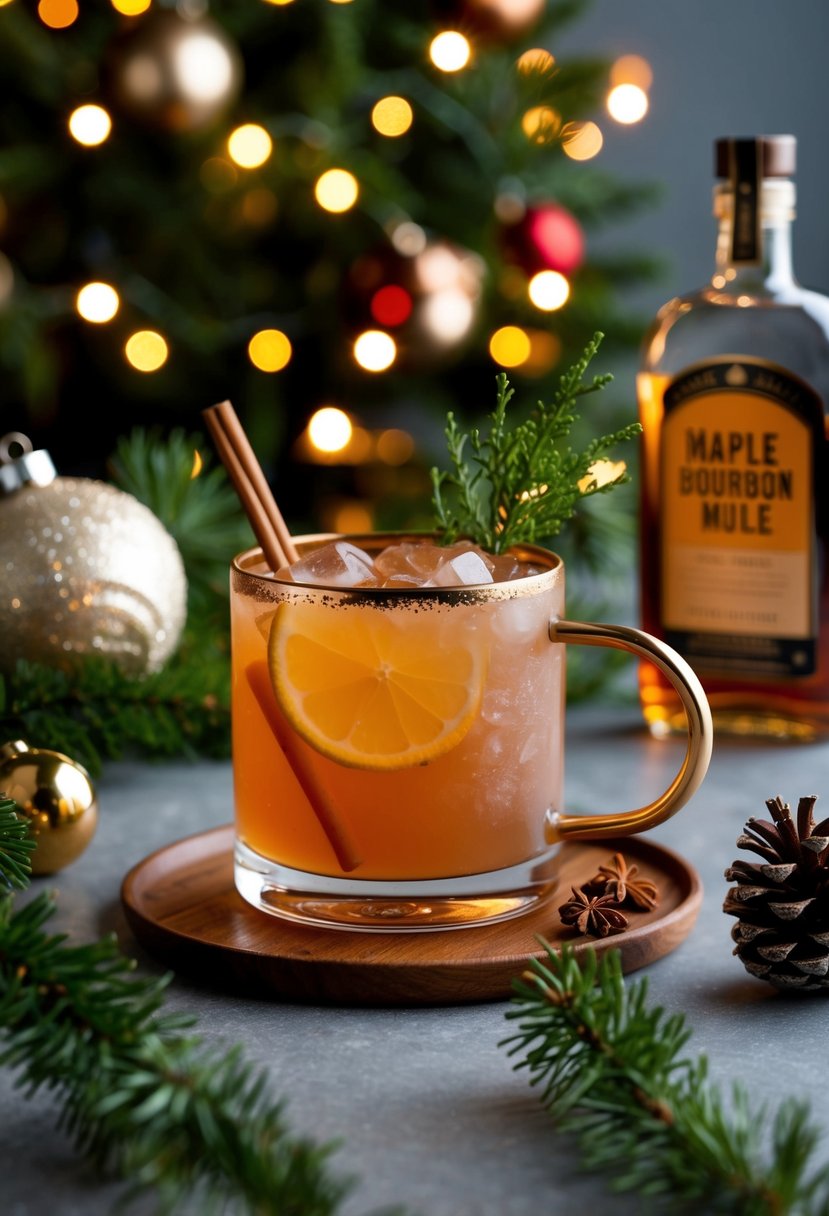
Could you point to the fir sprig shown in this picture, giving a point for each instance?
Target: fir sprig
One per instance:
(612, 1072)
(523, 482)
(15, 849)
(142, 1096)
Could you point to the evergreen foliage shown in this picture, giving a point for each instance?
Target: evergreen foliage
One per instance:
(153, 212)
(612, 1072)
(522, 482)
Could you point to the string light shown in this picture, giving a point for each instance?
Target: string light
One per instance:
(391, 305)
(394, 446)
(90, 125)
(581, 140)
(336, 190)
(58, 14)
(329, 429)
(632, 69)
(270, 350)
(375, 351)
(130, 8)
(450, 51)
(97, 302)
(510, 346)
(548, 290)
(392, 116)
(541, 124)
(627, 103)
(536, 59)
(249, 145)
(146, 350)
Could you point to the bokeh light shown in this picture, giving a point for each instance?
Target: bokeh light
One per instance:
(548, 290)
(375, 351)
(259, 206)
(97, 302)
(352, 518)
(541, 124)
(336, 190)
(392, 116)
(270, 350)
(146, 350)
(218, 175)
(408, 238)
(58, 14)
(601, 473)
(249, 145)
(130, 8)
(394, 446)
(581, 140)
(536, 59)
(329, 429)
(391, 305)
(632, 69)
(198, 464)
(90, 125)
(510, 346)
(627, 103)
(450, 51)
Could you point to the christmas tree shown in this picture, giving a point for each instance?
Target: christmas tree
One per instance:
(300, 205)
(346, 217)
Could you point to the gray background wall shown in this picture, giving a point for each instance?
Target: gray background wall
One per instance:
(721, 67)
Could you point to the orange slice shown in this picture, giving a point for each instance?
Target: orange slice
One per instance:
(375, 689)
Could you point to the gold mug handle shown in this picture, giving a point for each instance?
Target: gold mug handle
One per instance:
(700, 733)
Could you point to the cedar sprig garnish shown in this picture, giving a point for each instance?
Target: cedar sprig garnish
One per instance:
(597, 915)
(612, 1071)
(16, 848)
(623, 883)
(522, 482)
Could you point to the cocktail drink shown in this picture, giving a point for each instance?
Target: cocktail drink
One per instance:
(398, 743)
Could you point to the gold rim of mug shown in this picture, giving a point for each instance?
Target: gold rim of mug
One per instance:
(245, 577)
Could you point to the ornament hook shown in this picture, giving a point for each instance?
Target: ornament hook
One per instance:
(14, 439)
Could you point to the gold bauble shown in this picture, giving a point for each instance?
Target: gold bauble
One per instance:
(56, 797)
(172, 72)
(87, 570)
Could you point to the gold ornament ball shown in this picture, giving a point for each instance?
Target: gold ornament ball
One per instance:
(87, 570)
(55, 795)
(173, 72)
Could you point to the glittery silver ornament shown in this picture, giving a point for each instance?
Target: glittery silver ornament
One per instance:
(85, 569)
(56, 797)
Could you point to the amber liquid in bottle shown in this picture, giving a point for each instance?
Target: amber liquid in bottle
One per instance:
(734, 518)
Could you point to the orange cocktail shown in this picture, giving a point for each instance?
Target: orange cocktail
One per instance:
(392, 743)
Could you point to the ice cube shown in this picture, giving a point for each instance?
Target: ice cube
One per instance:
(336, 564)
(464, 569)
(408, 563)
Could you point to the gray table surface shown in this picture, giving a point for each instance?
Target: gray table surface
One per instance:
(427, 1107)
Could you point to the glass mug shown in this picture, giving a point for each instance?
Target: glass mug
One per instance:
(398, 753)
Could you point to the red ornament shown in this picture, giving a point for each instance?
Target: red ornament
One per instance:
(547, 237)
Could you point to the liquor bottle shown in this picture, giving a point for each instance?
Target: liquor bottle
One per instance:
(732, 391)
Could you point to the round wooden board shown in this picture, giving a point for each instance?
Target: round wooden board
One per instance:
(182, 905)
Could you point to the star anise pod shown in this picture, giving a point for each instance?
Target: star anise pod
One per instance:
(593, 914)
(618, 879)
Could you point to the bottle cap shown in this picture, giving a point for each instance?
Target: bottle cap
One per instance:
(21, 466)
(777, 154)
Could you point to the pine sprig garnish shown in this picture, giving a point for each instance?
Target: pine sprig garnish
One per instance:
(142, 1096)
(523, 482)
(612, 1073)
(16, 847)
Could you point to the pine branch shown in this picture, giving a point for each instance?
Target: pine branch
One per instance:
(15, 848)
(141, 1095)
(611, 1072)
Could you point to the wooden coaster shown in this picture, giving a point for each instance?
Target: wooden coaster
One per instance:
(182, 905)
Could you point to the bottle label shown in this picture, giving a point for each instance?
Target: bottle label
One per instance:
(739, 593)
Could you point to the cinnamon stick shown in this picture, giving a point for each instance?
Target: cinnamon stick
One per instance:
(251, 484)
(259, 680)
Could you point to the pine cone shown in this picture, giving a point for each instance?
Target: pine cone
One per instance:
(782, 902)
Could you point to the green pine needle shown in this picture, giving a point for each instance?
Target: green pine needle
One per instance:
(15, 848)
(141, 1095)
(522, 483)
(611, 1072)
